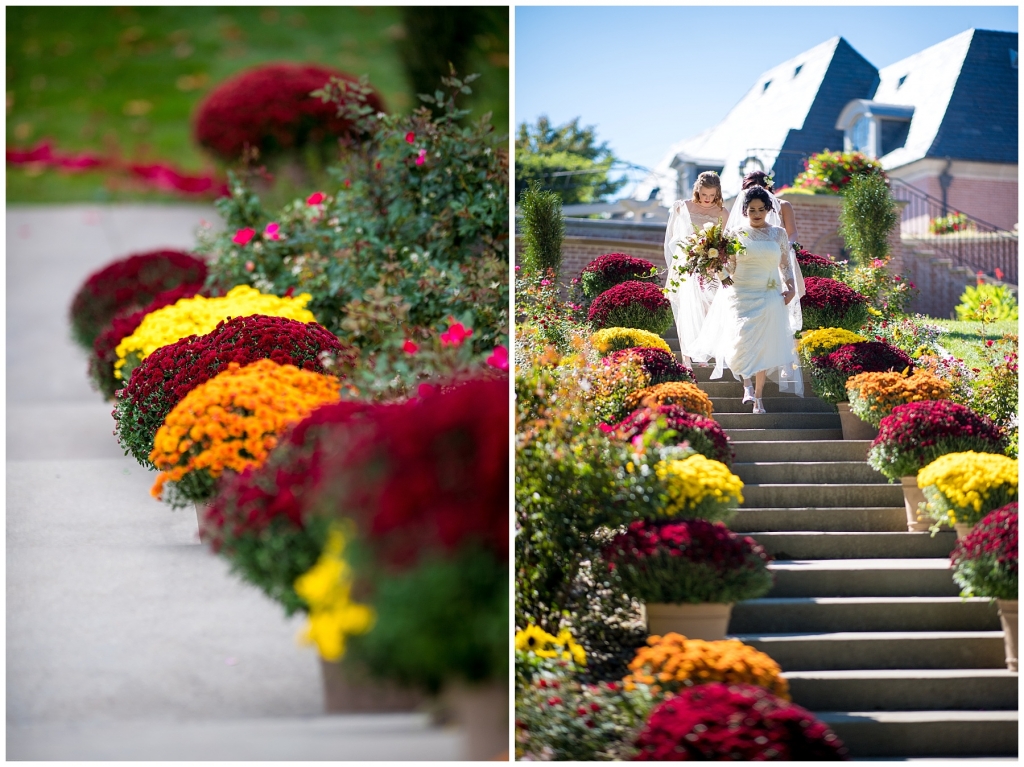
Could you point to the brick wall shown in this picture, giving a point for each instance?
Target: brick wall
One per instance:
(817, 224)
(990, 200)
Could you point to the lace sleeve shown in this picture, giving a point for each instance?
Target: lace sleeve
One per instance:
(787, 273)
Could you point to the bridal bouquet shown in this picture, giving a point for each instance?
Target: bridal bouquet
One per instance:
(707, 251)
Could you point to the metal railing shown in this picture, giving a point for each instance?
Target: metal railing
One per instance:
(981, 246)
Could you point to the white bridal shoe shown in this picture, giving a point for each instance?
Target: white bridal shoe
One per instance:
(748, 394)
(759, 406)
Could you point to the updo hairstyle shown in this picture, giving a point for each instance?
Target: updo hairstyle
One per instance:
(710, 180)
(756, 193)
(757, 178)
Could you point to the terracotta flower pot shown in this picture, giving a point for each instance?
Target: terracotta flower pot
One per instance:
(201, 509)
(706, 620)
(349, 689)
(1008, 617)
(853, 427)
(962, 531)
(481, 711)
(912, 496)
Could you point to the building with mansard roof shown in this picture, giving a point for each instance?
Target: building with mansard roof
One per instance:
(943, 120)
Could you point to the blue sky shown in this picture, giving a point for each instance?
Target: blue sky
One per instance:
(635, 72)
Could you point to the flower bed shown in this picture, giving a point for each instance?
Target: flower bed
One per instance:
(830, 172)
(699, 432)
(718, 722)
(673, 663)
(199, 316)
(166, 376)
(690, 561)
(632, 304)
(607, 271)
(104, 348)
(816, 343)
(962, 488)
(129, 284)
(270, 108)
(231, 422)
(658, 365)
(985, 560)
(829, 303)
(611, 340)
(872, 396)
(682, 393)
(915, 434)
(830, 372)
(812, 265)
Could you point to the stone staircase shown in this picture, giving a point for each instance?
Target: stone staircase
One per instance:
(864, 618)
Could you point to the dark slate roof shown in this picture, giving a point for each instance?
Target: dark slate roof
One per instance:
(980, 123)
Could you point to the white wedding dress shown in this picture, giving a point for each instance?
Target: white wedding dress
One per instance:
(747, 328)
(690, 301)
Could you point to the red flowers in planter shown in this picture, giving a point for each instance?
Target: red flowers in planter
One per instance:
(703, 434)
(269, 107)
(829, 303)
(658, 364)
(632, 304)
(812, 265)
(985, 560)
(865, 357)
(612, 268)
(103, 357)
(130, 283)
(163, 379)
(740, 722)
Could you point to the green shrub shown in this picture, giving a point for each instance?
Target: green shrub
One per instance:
(868, 216)
(987, 302)
(543, 229)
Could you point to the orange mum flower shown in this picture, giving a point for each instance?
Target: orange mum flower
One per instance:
(686, 395)
(232, 422)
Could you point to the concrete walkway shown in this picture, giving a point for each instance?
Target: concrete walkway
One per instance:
(126, 639)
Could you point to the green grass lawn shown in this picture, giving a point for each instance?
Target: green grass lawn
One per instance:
(126, 81)
(964, 339)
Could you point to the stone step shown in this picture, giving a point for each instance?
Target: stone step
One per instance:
(900, 734)
(704, 373)
(905, 690)
(777, 404)
(817, 450)
(728, 386)
(830, 614)
(817, 472)
(774, 496)
(879, 519)
(772, 420)
(881, 649)
(814, 545)
(785, 435)
(925, 577)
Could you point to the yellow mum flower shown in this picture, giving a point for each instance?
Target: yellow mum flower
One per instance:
(814, 343)
(327, 589)
(613, 339)
(963, 487)
(697, 481)
(533, 638)
(200, 315)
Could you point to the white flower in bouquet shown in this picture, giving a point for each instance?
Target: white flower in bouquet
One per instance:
(713, 253)
(709, 225)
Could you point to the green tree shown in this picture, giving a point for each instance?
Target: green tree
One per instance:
(543, 150)
(868, 215)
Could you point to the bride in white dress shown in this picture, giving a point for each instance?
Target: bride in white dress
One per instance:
(690, 302)
(749, 327)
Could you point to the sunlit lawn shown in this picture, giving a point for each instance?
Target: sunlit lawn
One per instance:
(126, 81)
(966, 340)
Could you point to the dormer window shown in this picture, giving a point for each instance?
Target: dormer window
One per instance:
(874, 129)
(766, 86)
(1013, 59)
(900, 83)
(797, 70)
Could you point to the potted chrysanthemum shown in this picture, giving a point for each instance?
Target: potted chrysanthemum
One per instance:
(961, 488)
(985, 565)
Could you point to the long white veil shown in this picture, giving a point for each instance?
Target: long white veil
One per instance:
(689, 300)
(788, 381)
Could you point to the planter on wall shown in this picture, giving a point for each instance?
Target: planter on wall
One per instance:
(854, 428)
(705, 620)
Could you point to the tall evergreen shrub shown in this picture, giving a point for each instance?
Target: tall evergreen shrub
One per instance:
(868, 215)
(543, 229)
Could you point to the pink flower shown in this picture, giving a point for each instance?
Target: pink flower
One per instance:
(316, 198)
(410, 137)
(605, 428)
(545, 283)
(272, 231)
(242, 236)
(878, 263)
(499, 358)
(455, 335)
(517, 267)
(999, 273)
(348, 183)
(421, 157)
(409, 347)
(424, 390)
(249, 266)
